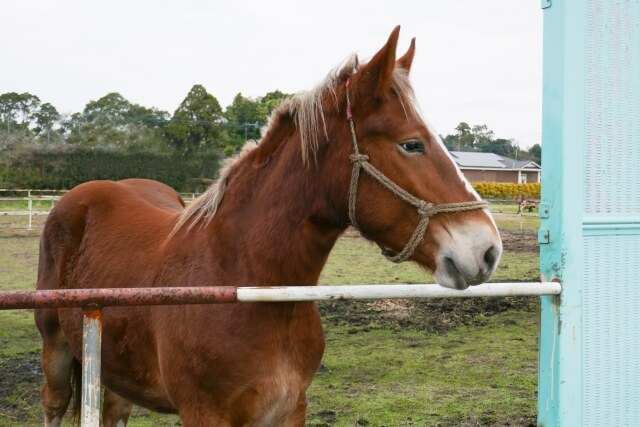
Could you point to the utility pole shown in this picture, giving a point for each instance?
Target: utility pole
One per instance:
(246, 126)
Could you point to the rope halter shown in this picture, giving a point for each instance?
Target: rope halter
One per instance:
(425, 209)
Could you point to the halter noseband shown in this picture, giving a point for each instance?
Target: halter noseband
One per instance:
(425, 209)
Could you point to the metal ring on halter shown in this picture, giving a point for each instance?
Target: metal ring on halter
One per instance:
(425, 209)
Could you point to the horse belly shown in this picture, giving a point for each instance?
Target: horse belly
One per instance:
(129, 361)
(130, 358)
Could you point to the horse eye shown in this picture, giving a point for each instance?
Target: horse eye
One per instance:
(412, 146)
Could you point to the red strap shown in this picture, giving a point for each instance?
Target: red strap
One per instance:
(349, 114)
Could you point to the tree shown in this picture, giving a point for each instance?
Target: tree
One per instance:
(464, 137)
(482, 136)
(245, 117)
(27, 105)
(113, 108)
(504, 147)
(197, 124)
(45, 117)
(450, 141)
(535, 152)
(271, 100)
(18, 109)
(113, 121)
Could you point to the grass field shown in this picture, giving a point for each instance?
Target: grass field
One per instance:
(387, 363)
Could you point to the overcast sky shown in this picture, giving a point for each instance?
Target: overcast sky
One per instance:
(476, 61)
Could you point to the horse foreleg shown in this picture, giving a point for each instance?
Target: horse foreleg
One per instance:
(299, 416)
(197, 417)
(116, 410)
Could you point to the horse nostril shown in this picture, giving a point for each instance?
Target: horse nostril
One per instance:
(451, 267)
(490, 257)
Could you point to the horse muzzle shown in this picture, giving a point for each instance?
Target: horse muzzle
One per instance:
(468, 258)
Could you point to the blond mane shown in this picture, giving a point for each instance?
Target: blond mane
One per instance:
(308, 111)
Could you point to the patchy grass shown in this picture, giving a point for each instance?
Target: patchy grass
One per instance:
(474, 375)
(18, 261)
(19, 339)
(23, 205)
(526, 222)
(357, 261)
(12, 226)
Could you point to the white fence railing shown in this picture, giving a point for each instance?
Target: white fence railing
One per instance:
(13, 197)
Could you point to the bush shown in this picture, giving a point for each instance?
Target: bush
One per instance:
(65, 168)
(507, 190)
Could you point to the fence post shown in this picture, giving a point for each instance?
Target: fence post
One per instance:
(30, 209)
(91, 349)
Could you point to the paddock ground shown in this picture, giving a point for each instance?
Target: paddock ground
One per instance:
(448, 362)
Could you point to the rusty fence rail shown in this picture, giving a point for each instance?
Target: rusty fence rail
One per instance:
(93, 300)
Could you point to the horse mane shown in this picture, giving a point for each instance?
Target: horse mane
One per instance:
(308, 112)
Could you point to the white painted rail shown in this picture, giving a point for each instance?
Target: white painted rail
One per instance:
(396, 291)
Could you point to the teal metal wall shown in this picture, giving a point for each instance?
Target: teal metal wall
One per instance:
(589, 365)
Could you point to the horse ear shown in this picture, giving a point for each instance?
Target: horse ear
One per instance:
(377, 73)
(406, 60)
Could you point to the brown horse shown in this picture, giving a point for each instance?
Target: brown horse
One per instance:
(271, 219)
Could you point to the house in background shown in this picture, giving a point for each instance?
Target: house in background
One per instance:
(496, 168)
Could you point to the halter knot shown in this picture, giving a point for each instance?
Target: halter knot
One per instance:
(426, 209)
(359, 158)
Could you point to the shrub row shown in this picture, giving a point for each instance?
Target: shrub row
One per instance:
(507, 190)
(66, 169)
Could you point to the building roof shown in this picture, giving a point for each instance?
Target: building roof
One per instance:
(471, 159)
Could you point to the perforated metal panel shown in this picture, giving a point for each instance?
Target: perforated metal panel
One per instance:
(612, 162)
(611, 330)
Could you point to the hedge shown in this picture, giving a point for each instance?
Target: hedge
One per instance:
(507, 190)
(66, 169)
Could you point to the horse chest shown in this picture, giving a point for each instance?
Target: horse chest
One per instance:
(284, 375)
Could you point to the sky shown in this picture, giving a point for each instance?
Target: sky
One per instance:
(476, 61)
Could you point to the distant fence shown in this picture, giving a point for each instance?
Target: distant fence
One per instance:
(15, 196)
(34, 208)
(30, 196)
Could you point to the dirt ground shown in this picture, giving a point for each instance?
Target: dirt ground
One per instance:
(431, 316)
(519, 241)
(436, 315)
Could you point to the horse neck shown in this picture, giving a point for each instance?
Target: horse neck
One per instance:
(280, 219)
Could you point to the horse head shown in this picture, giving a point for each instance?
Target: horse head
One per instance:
(406, 192)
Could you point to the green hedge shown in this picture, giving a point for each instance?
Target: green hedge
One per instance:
(66, 169)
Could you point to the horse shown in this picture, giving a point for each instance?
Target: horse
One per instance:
(352, 151)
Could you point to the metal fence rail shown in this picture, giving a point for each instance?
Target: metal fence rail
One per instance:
(92, 300)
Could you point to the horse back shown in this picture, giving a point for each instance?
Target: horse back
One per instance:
(102, 230)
